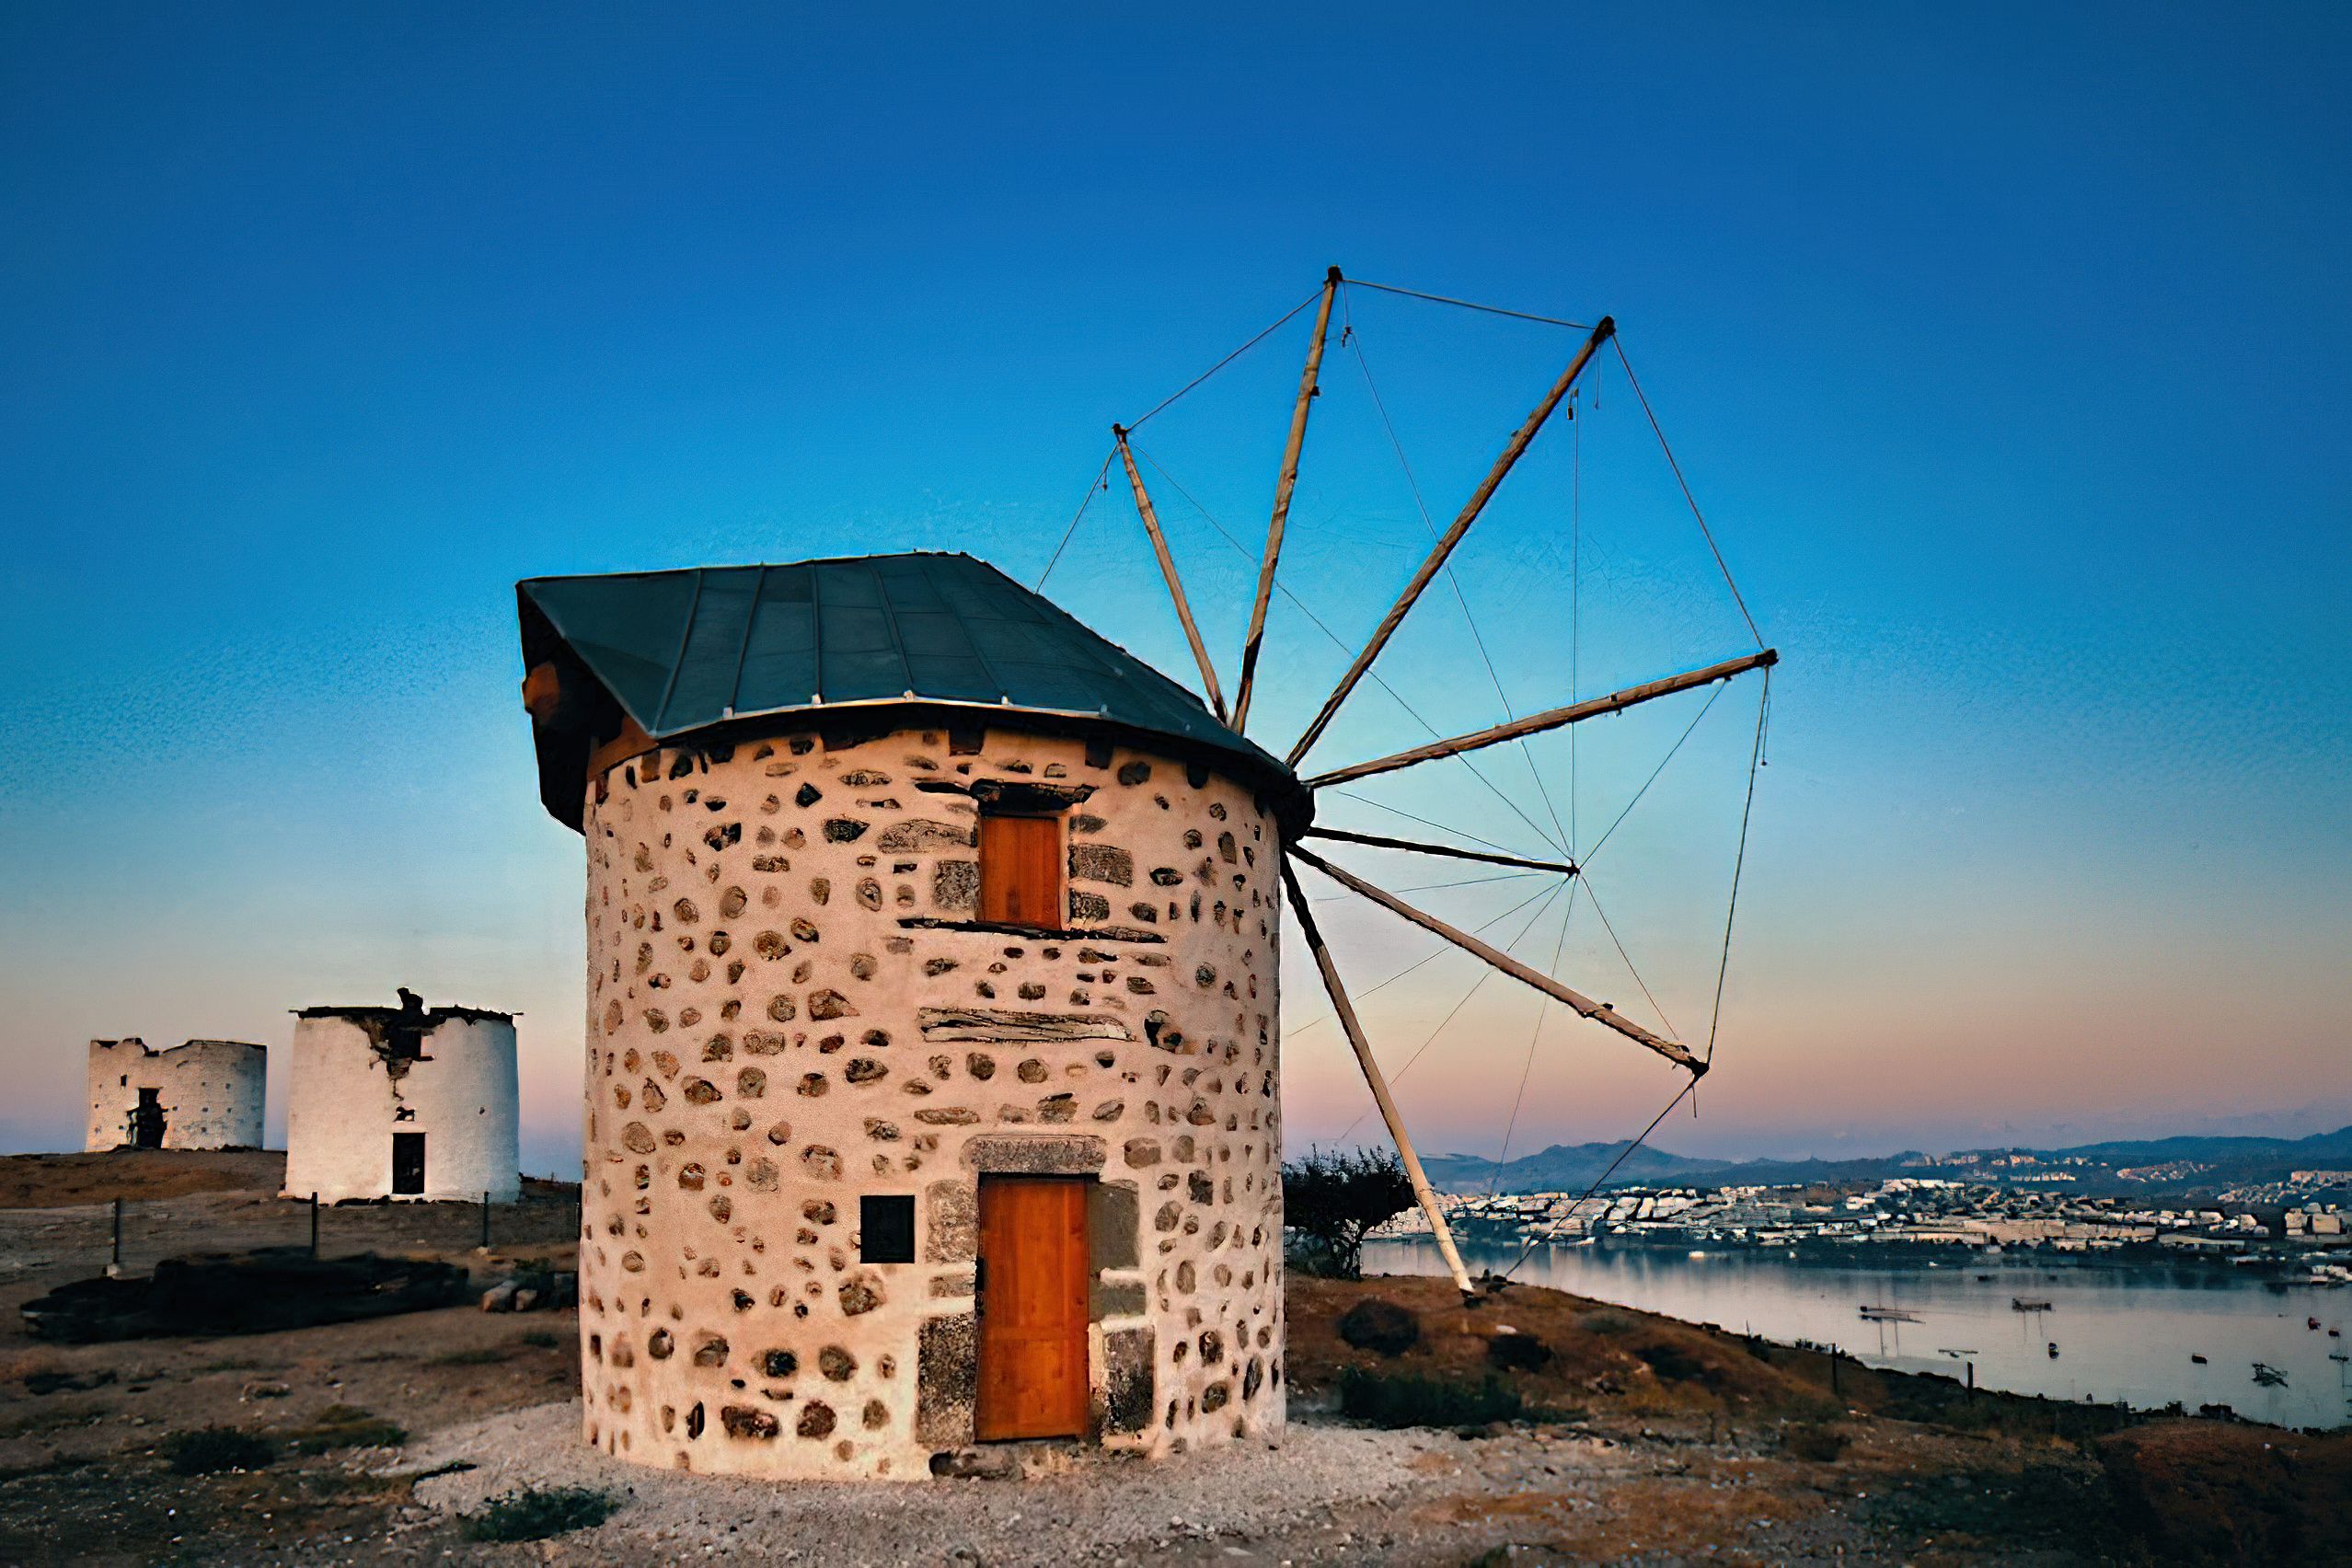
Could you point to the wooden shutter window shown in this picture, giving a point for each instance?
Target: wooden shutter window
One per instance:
(1021, 871)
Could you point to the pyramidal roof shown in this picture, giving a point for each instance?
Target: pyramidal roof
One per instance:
(686, 649)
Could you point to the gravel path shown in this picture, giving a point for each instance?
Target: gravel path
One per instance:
(1212, 1504)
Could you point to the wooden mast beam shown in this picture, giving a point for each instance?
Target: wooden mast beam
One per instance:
(1552, 718)
(1453, 536)
(1284, 483)
(1168, 571)
(1353, 1027)
(1599, 1012)
(1565, 868)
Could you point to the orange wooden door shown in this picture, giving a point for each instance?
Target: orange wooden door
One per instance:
(1033, 1378)
(1021, 871)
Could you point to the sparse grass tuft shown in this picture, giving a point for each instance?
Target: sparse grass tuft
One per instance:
(535, 1515)
(1402, 1399)
(480, 1355)
(209, 1450)
(1605, 1322)
(541, 1339)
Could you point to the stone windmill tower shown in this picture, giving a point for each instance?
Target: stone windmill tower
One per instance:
(933, 1078)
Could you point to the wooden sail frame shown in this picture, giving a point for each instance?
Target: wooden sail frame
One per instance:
(1293, 854)
(1168, 572)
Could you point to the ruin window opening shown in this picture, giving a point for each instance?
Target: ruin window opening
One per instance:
(147, 1121)
(886, 1227)
(409, 1164)
(1021, 866)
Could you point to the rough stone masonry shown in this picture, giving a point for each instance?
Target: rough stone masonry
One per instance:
(792, 1005)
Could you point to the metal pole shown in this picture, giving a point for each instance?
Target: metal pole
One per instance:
(118, 1235)
(314, 1225)
(485, 1222)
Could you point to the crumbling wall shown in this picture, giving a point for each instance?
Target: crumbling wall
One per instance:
(210, 1092)
(360, 1074)
(790, 1005)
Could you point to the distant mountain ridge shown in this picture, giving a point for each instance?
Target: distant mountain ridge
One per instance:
(1573, 1167)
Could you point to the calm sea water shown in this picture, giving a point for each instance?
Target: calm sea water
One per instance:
(2122, 1334)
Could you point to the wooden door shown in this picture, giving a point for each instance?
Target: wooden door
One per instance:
(407, 1164)
(1033, 1379)
(1021, 871)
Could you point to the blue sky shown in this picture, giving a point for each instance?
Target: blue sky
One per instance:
(2003, 348)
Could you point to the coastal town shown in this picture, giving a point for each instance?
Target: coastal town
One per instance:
(2277, 1226)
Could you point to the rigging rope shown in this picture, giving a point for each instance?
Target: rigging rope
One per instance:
(1300, 606)
(1593, 899)
(1706, 533)
(1471, 305)
(1530, 1246)
(1101, 482)
(1432, 887)
(1713, 692)
(1397, 1076)
(1354, 340)
(1535, 1036)
(1229, 359)
(1430, 957)
(1755, 761)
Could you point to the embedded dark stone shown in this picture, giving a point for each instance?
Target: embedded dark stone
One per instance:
(741, 1420)
(1199, 1187)
(807, 795)
(923, 836)
(837, 1364)
(1253, 1378)
(829, 1004)
(1128, 1355)
(955, 885)
(864, 1069)
(861, 1294)
(778, 1363)
(1089, 907)
(700, 1091)
(1379, 1325)
(1102, 863)
(726, 832)
(947, 1369)
(1212, 1347)
(1215, 1396)
(711, 1351)
(845, 830)
(660, 1345)
(1134, 773)
(1166, 876)
(1141, 1152)
(1148, 913)
(1087, 821)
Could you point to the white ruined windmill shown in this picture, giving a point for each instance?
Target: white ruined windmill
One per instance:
(1236, 714)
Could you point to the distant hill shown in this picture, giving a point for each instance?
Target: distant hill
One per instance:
(1573, 1167)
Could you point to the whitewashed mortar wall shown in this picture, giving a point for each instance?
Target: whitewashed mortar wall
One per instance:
(211, 1091)
(344, 1100)
(768, 1038)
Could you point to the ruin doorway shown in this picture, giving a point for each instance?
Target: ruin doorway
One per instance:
(1032, 1308)
(408, 1165)
(147, 1121)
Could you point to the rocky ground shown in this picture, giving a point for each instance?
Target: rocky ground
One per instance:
(1637, 1440)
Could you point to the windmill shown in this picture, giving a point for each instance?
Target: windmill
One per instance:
(1598, 338)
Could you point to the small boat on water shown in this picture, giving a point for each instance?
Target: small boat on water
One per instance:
(2311, 1323)
(2269, 1377)
(2053, 1350)
(1888, 1315)
(2029, 1304)
(2199, 1360)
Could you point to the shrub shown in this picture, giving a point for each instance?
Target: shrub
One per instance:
(534, 1514)
(1393, 1400)
(1378, 1324)
(1520, 1352)
(1331, 1200)
(209, 1450)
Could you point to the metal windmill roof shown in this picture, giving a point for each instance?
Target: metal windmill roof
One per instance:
(686, 649)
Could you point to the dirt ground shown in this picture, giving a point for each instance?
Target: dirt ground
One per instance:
(1642, 1440)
